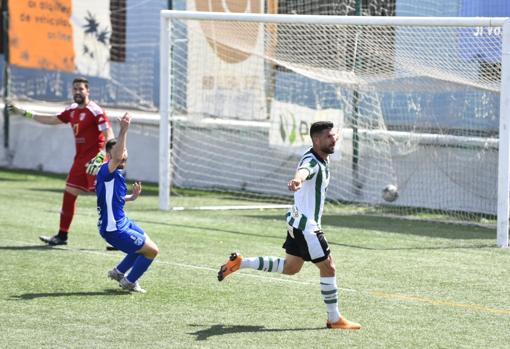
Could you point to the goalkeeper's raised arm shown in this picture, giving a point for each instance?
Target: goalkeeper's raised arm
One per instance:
(47, 119)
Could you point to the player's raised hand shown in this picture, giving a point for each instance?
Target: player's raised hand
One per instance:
(12, 108)
(125, 120)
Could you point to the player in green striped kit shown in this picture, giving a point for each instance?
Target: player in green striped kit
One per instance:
(305, 239)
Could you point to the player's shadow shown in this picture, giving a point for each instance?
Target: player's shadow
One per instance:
(26, 247)
(48, 190)
(3, 179)
(30, 296)
(220, 330)
(58, 191)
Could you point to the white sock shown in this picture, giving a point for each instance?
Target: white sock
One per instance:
(269, 264)
(329, 292)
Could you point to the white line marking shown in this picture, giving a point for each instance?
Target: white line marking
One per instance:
(377, 294)
(181, 265)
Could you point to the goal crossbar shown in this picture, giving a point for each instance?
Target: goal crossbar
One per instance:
(339, 20)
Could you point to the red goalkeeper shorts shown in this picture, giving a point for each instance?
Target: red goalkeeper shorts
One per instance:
(78, 177)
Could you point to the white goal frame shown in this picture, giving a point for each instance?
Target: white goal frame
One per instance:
(503, 204)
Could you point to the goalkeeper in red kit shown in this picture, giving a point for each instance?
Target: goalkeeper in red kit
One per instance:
(91, 130)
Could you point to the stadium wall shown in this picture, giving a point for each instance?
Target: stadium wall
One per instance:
(49, 148)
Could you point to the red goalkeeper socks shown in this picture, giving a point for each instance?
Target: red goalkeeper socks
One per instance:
(67, 212)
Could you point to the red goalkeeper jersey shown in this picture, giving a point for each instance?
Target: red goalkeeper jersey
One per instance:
(87, 123)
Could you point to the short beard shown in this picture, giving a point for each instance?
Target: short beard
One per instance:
(79, 99)
(328, 150)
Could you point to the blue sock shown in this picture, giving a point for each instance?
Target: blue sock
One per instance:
(141, 264)
(127, 263)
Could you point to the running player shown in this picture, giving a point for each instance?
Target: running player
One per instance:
(305, 239)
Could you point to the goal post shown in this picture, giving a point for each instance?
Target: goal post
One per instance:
(504, 141)
(164, 120)
(421, 103)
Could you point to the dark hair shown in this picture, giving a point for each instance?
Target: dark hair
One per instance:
(110, 144)
(81, 79)
(319, 126)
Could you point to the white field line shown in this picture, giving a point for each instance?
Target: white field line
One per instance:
(400, 298)
(181, 265)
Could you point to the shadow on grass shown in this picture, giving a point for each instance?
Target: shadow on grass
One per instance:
(55, 248)
(30, 296)
(402, 226)
(48, 190)
(3, 179)
(59, 191)
(220, 330)
(26, 247)
(330, 236)
(23, 174)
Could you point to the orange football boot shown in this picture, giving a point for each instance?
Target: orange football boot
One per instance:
(233, 264)
(343, 324)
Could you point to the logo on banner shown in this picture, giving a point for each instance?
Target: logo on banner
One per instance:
(219, 35)
(292, 129)
(290, 123)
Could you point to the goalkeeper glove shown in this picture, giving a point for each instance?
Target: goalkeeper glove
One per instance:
(20, 111)
(93, 166)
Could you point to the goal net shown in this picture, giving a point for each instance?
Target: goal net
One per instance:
(415, 100)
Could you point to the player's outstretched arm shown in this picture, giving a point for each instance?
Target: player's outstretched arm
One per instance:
(47, 119)
(296, 182)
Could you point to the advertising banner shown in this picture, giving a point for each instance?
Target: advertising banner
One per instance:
(231, 83)
(482, 43)
(64, 35)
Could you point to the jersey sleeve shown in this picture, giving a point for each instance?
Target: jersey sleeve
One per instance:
(103, 123)
(64, 116)
(310, 165)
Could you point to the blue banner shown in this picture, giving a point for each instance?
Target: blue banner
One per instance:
(485, 8)
(482, 43)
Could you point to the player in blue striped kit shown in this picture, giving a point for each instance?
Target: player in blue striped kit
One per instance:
(114, 226)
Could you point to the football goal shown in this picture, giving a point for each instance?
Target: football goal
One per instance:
(421, 104)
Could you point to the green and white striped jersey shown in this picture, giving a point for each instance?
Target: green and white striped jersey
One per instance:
(309, 199)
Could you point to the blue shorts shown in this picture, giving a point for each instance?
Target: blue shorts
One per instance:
(129, 240)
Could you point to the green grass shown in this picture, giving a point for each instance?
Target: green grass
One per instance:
(410, 284)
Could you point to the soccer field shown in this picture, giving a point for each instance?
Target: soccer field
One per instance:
(410, 284)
